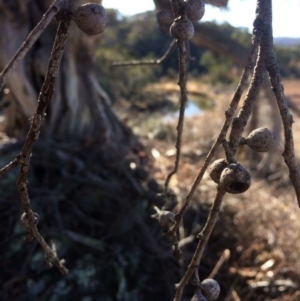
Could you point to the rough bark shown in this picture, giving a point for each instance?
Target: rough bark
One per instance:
(80, 107)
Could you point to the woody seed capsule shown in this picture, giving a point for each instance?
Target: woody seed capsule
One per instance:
(216, 168)
(182, 29)
(235, 179)
(90, 18)
(210, 289)
(260, 140)
(195, 9)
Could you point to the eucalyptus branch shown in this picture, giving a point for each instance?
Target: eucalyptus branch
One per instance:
(183, 101)
(262, 35)
(241, 120)
(224, 257)
(45, 97)
(229, 113)
(6, 169)
(30, 40)
(287, 118)
(203, 239)
(148, 62)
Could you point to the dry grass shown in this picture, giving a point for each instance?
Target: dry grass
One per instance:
(261, 227)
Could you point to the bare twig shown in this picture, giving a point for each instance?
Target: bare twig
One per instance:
(205, 234)
(148, 62)
(183, 101)
(33, 134)
(229, 155)
(287, 118)
(203, 238)
(31, 39)
(6, 169)
(257, 34)
(241, 120)
(224, 257)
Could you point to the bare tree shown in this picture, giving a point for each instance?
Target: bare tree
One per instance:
(72, 104)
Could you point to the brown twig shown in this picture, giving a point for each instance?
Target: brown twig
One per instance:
(241, 120)
(148, 62)
(31, 39)
(183, 101)
(229, 113)
(33, 134)
(203, 238)
(225, 256)
(212, 218)
(287, 118)
(6, 169)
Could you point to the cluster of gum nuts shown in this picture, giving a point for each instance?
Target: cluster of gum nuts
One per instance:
(91, 18)
(182, 28)
(233, 177)
(209, 290)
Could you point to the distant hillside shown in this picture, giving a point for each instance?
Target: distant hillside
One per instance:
(287, 41)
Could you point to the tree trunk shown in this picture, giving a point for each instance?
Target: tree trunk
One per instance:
(80, 107)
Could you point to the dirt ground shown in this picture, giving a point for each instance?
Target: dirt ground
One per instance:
(261, 226)
(256, 239)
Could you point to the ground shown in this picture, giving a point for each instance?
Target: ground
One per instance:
(258, 230)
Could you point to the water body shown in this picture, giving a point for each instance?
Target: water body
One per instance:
(193, 107)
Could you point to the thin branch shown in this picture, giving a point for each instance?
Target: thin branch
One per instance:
(148, 62)
(31, 39)
(257, 34)
(183, 101)
(203, 239)
(10, 166)
(241, 120)
(45, 97)
(214, 212)
(287, 118)
(224, 257)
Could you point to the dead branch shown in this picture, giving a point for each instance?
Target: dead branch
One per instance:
(33, 134)
(203, 239)
(148, 62)
(205, 234)
(183, 101)
(229, 116)
(31, 39)
(6, 169)
(287, 118)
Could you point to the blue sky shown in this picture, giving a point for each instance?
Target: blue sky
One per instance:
(286, 13)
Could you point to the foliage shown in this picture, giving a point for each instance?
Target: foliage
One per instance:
(288, 59)
(135, 38)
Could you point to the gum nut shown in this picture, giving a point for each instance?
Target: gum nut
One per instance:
(90, 18)
(260, 140)
(182, 29)
(210, 289)
(166, 219)
(195, 9)
(164, 17)
(216, 168)
(235, 179)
